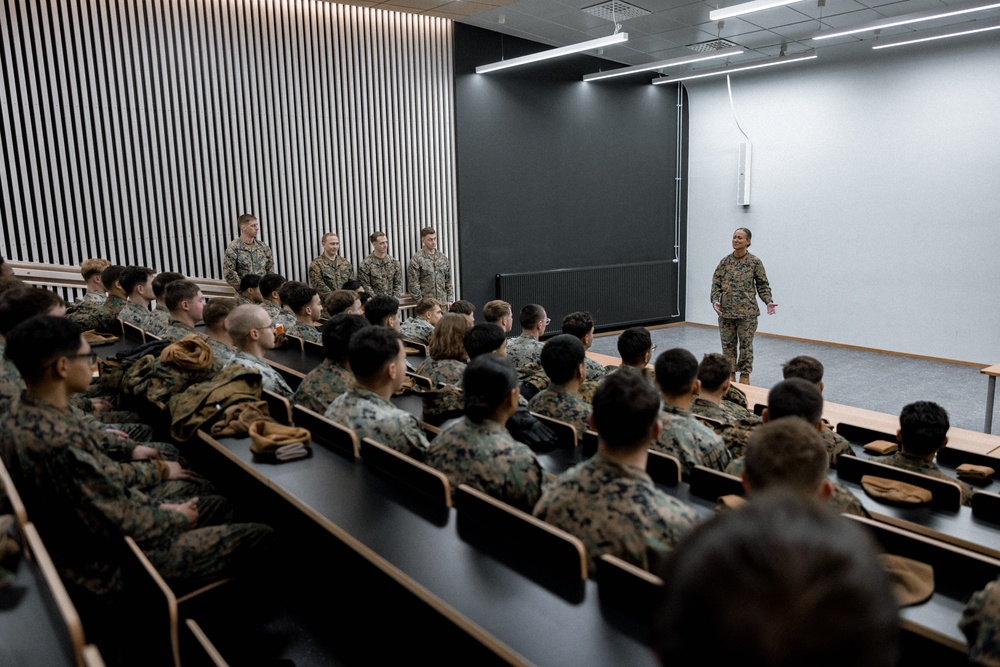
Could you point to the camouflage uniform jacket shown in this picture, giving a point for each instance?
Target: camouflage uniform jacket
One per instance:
(733, 428)
(272, 380)
(595, 371)
(327, 275)
(736, 284)
(418, 329)
(322, 385)
(929, 468)
(156, 323)
(279, 315)
(93, 297)
(842, 501)
(981, 624)
(616, 509)
(99, 318)
(487, 458)
(309, 332)
(135, 315)
(690, 441)
(558, 403)
(243, 258)
(429, 276)
(371, 416)
(524, 350)
(175, 330)
(381, 276)
(77, 496)
(836, 444)
(222, 354)
(448, 372)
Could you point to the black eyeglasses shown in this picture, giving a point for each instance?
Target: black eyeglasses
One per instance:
(92, 356)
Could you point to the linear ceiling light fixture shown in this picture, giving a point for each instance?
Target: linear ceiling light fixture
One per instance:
(747, 8)
(770, 62)
(942, 33)
(616, 38)
(661, 64)
(906, 19)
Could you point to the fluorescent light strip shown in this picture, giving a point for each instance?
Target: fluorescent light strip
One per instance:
(906, 19)
(747, 8)
(554, 53)
(780, 60)
(686, 60)
(929, 36)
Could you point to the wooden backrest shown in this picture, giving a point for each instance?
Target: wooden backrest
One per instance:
(430, 431)
(423, 382)
(565, 433)
(313, 350)
(946, 495)
(952, 458)
(710, 484)
(278, 406)
(20, 511)
(862, 435)
(294, 342)
(420, 348)
(986, 506)
(588, 443)
(132, 332)
(201, 652)
(327, 433)
(628, 588)
(663, 468)
(518, 534)
(151, 599)
(407, 471)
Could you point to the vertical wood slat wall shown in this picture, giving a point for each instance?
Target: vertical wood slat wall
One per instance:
(138, 130)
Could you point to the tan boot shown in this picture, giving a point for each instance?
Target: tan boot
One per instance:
(744, 378)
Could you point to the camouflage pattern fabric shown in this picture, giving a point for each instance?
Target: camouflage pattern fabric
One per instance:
(734, 430)
(373, 417)
(309, 332)
(690, 441)
(381, 276)
(981, 624)
(221, 353)
(157, 321)
(487, 458)
(134, 314)
(448, 372)
(93, 297)
(836, 444)
(559, 403)
(929, 468)
(176, 330)
(429, 276)
(279, 315)
(271, 378)
(243, 258)
(522, 351)
(741, 332)
(587, 390)
(842, 501)
(736, 283)
(103, 318)
(616, 509)
(322, 385)
(327, 275)
(418, 329)
(595, 371)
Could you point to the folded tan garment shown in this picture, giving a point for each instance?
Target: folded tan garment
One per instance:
(190, 353)
(296, 450)
(882, 447)
(266, 437)
(729, 502)
(95, 338)
(972, 471)
(912, 581)
(236, 419)
(893, 491)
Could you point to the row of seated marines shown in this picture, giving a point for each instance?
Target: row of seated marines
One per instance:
(90, 470)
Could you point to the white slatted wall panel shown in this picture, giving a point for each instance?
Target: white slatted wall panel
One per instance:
(138, 130)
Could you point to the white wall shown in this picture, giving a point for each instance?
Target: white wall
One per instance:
(875, 198)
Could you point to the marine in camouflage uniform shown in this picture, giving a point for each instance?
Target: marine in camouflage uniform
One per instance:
(559, 403)
(322, 385)
(448, 372)
(327, 275)
(271, 379)
(690, 441)
(981, 624)
(428, 275)
(309, 332)
(176, 330)
(616, 509)
(135, 315)
(101, 318)
(418, 329)
(222, 354)
(244, 258)
(487, 458)
(836, 444)
(381, 276)
(373, 417)
(735, 285)
(929, 468)
(84, 505)
(157, 321)
(725, 421)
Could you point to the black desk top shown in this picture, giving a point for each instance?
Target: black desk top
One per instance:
(31, 633)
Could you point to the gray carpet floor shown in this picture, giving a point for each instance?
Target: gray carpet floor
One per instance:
(860, 378)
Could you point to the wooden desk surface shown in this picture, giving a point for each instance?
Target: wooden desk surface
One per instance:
(993, 370)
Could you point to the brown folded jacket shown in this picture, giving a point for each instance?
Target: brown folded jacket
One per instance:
(190, 353)
(972, 471)
(268, 438)
(237, 418)
(882, 447)
(95, 338)
(894, 491)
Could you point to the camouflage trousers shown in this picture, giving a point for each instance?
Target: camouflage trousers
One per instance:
(742, 330)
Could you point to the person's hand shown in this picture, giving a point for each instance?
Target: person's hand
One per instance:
(144, 452)
(100, 405)
(718, 307)
(177, 472)
(121, 434)
(188, 509)
(771, 307)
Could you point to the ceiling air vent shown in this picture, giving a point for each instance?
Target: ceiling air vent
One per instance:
(616, 10)
(713, 45)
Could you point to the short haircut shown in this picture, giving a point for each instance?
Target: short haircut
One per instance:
(483, 339)
(675, 369)
(462, 307)
(339, 300)
(375, 235)
(578, 324)
(561, 357)
(804, 368)
(178, 292)
(163, 279)
(91, 267)
(379, 308)
(633, 344)
(371, 349)
(795, 398)
(134, 276)
(337, 332)
(531, 315)
(425, 231)
(486, 384)
(714, 370)
(448, 338)
(923, 427)
(216, 311)
(245, 219)
(269, 283)
(781, 581)
(323, 238)
(786, 452)
(352, 284)
(111, 275)
(244, 318)
(249, 281)
(364, 298)
(625, 408)
(37, 341)
(426, 306)
(286, 289)
(18, 305)
(298, 296)
(496, 310)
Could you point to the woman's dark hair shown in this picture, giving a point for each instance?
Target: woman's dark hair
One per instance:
(487, 382)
